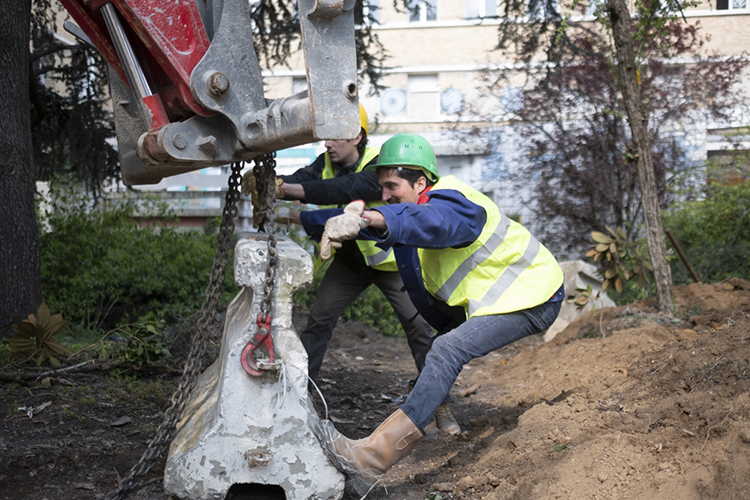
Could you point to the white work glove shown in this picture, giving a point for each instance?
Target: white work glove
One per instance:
(343, 227)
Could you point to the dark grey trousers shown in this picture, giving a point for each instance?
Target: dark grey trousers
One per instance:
(340, 286)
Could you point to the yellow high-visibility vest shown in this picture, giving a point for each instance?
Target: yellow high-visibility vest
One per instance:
(383, 260)
(505, 270)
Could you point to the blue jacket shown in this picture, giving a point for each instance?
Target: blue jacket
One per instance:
(445, 218)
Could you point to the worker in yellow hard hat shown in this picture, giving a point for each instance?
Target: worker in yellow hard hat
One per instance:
(336, 178)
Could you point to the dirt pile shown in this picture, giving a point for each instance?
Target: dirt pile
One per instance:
(657, 408)
(623, 404)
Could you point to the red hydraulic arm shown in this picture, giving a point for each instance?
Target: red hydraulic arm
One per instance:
(168, 39)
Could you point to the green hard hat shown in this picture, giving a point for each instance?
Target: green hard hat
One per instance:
(410, 151)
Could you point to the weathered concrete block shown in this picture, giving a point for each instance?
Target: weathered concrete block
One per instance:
(578, 274)
(240, 429)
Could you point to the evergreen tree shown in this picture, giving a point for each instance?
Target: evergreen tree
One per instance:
(55, 93)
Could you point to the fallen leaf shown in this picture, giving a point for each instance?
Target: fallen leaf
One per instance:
(65, 381)
(41, 407)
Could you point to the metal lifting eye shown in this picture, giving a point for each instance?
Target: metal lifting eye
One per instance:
(262, 336)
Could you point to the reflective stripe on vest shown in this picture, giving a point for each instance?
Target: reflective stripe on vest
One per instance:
(382, 260)
(377, 258)
(506, 269)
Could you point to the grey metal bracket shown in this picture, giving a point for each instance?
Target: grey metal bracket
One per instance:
(228, 79)
(327, 28)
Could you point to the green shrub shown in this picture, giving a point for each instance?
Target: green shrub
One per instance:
(146, 342)
(620, 259)
(373, 308)
(632, 292)
(101, 264)
(34, 335)
(714, 233)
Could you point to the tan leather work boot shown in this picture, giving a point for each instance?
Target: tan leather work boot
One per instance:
(446, 421)
(366, 460)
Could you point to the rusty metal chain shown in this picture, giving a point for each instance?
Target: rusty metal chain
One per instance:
(265, 178)
(194, 363)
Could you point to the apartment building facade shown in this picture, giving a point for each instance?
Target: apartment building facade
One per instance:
(434, 74)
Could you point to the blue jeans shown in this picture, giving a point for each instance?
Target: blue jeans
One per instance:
(476, 337)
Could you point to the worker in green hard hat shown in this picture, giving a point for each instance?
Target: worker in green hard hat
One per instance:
(480, 279)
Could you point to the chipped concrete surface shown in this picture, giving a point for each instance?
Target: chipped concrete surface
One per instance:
(232, 413)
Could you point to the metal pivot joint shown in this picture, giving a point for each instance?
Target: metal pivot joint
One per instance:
(261, 337)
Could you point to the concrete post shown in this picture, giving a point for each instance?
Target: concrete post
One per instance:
(245, 430)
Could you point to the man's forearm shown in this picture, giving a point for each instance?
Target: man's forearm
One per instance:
(294, 217)
(296, 191)
(376, 219)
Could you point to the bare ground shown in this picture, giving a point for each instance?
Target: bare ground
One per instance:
(624, 404)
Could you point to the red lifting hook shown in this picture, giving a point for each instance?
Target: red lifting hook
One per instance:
(262, 336)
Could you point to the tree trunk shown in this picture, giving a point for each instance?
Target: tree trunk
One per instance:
(631, 93)
(20, 276)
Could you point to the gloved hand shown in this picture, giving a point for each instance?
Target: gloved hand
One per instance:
(343, 227)
(250, 187)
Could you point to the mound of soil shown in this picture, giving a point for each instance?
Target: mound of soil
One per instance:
(623, 404)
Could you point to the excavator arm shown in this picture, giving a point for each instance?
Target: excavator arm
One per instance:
(187, 88)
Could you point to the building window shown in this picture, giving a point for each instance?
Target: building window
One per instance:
(511, 99)
(540, 10)
(731, 4)
(481, 8)
(424, 97)
(422, 10)
(371, 11)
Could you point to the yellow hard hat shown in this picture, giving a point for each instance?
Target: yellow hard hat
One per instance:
(363, 119)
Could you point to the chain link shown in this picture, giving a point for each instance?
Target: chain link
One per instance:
(194, 363)
(265, 178)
